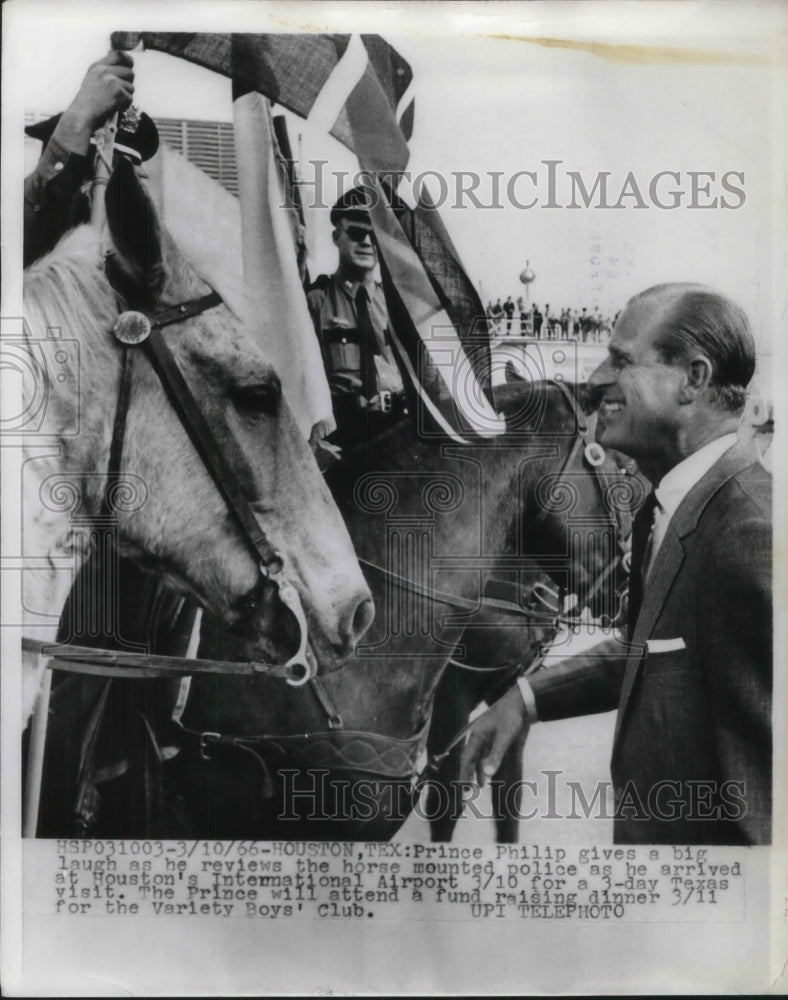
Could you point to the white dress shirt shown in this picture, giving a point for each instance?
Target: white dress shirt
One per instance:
(675, 485)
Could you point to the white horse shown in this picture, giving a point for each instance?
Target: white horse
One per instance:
(171, 517)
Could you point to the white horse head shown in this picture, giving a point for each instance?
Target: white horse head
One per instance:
(171, 517)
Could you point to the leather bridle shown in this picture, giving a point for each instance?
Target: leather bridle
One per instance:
(136, 331)
(395, 758)
(342, 744)
(593, 456)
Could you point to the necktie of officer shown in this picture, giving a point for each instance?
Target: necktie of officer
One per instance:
(642, 543)
(367, 344)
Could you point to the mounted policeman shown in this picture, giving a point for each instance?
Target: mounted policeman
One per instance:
(56, 191)
(348, 309)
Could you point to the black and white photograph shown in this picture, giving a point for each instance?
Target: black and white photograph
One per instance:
(388, 477)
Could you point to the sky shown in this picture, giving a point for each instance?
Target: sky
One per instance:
(573, 84)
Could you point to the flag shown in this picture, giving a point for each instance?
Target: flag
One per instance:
(278, 311)
(254, 269)
(290, 70)
(424, 333)
(451, 396)
(433, 245)
(360, 86)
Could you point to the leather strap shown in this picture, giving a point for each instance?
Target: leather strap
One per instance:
(336, 749)
(142, 666)
(185, 310)
(86, 801)
(206, 444)
(118, 432)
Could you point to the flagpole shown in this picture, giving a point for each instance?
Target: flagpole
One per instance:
(105, 144)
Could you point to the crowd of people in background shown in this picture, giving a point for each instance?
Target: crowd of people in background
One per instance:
(525, 319)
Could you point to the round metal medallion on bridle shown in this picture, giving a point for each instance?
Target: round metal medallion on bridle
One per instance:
(132, 327)
(595, 454)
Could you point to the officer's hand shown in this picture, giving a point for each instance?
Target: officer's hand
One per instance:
(491, 737)
(108, 87)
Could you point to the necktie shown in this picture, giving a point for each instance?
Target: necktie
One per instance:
(651, 544)
(641, 537)
(367, 344)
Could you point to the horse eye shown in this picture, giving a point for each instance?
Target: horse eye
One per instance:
(262, 397)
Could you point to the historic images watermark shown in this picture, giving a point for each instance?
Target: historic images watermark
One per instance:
(546, 184)
(317, 796)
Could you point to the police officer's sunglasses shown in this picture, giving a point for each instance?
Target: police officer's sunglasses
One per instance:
(358, 233)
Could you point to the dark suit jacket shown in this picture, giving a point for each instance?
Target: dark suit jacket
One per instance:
(692, 753)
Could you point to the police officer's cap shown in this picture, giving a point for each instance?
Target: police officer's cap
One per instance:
(354, 205)
(137, 135)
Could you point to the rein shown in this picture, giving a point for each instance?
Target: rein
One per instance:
(141, 666)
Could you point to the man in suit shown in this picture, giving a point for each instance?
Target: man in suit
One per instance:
(692, 755)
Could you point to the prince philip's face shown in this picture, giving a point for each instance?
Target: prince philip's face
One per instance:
(639, 404)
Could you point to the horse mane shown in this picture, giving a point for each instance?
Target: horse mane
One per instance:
(67, 291)
(179, 273)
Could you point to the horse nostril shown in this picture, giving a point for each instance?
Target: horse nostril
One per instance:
(355, 627)
(362, 618)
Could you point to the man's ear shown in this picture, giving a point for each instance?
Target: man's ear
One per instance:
(335, 237)
(699, 373)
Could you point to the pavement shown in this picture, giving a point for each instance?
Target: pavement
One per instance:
(564, 762)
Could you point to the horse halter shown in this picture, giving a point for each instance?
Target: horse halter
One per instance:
(135, 329)
(594, 457)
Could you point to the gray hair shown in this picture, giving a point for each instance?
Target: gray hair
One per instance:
(699, 319)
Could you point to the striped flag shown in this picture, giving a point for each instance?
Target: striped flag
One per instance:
(292, 70)
(359, 88)
(254, 268)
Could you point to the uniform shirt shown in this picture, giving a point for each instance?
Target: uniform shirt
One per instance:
(53, 199)
(332, 305)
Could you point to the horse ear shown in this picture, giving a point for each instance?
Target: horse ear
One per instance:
(135, 230)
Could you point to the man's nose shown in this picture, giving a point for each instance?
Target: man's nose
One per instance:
(603, 375)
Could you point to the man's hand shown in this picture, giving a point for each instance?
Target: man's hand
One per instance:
(492, 736)
(108, 87)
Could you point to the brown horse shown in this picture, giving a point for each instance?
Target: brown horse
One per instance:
(465, 685)
(168, 514)
(432, 524)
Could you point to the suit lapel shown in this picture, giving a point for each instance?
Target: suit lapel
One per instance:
(670, 557)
